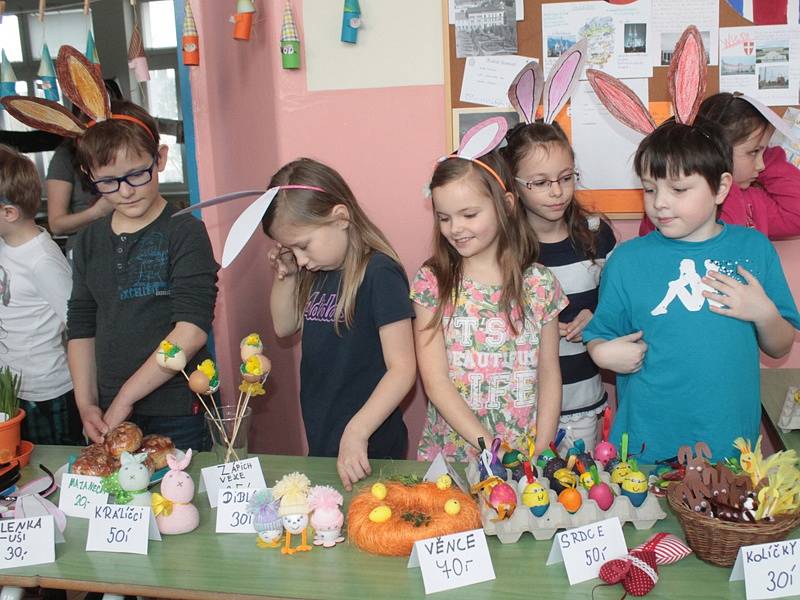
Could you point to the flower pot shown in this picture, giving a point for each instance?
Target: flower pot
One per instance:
(10, 436)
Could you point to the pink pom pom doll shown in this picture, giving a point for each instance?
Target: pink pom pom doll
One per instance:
(327, 518)
(173, 507)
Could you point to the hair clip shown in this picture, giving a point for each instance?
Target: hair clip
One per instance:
(530, 86)
(687, 86)
(246, 224)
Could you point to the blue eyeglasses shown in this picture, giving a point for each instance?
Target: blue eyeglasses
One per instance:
(109, 185)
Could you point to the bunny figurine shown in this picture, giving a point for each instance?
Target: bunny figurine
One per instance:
(173, 507)
(129, 484)
(327, 518)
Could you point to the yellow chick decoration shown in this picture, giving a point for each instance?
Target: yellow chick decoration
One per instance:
(444, 482)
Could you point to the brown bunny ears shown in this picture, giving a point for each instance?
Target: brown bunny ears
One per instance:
(687, 86)
(82, 84)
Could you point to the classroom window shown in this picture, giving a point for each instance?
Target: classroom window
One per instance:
(10, 40)
(162, 97)
(158, 24)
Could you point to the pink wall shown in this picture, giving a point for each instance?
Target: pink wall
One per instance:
(251, 117)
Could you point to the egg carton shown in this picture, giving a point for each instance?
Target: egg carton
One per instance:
(508, 531)
(790, 413)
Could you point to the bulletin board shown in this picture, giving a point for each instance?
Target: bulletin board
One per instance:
(617, 203)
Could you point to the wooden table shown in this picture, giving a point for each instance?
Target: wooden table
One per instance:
(203, 564)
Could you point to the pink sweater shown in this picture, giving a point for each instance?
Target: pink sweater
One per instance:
(771, 205)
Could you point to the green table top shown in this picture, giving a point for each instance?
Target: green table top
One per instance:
(203, 564)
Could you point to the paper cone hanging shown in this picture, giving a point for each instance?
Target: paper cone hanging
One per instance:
(290, 40)
(91, 53)
(243, 20)
(8, 80)
(191, 41)
(137, 60)
(351, 21)
(47, 76)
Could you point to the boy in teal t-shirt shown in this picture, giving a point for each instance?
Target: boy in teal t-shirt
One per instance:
(684, 310)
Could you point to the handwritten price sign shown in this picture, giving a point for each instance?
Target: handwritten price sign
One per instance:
(769, 570)
(118, 528)
(453, 561)
(26, 542)
(584, 549)
(79, 494)
(232, 515)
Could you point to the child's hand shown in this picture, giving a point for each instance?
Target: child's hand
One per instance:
(572, 331)
(93, 425)
(352, 464)
(116, 413)
(622, 355)
(282, 261)
(745, 301)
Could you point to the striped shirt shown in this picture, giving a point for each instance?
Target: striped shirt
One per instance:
(583, 390)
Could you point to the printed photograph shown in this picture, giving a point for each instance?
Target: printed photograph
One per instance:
(485, 27)
(772, 52)
(557, 45)
(773, 77)
(635, 38)
(738, 65)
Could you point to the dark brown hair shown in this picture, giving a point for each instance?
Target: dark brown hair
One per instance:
(674, 149)
(738, 118)
(102, 142)
(19, 181)
(517, 248)
(310, 207)
(526, 138)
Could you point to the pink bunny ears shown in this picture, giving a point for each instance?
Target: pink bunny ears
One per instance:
(179, 464)
(246, 224)
(526, 89)
(479, 140)
(687, 86)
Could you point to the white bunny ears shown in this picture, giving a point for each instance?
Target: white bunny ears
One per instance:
(526, 89)
(246, 224)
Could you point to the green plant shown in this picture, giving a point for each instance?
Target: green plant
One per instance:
(9, 392)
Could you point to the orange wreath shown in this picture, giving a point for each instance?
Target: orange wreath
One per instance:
(417, 513)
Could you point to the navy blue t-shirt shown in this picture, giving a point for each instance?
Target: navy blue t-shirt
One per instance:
(338, 373)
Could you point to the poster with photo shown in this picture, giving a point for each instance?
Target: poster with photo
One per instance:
(485, 27)
(620, 36)
(763, 62)
(672, 17)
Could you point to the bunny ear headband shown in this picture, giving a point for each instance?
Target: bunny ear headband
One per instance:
(526, 89)
(81, 83)
(687, 86)
(478, 141)
(246, 224)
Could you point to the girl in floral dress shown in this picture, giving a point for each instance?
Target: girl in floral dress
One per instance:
(486, 327)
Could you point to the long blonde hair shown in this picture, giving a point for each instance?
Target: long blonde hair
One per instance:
(314, 208)
(517, 248)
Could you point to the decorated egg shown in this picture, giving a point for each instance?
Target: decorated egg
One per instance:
(513, 459)
(586, 480)
(378, 491)
(571, 499)
(619, 472)
(503, 499)
(255, 368)
(634, 486)
(170, 356)
(251, 345)
(545, 457)
(380, 514)
(563, 478)
(553, 465)
(604, 452)
(602, 494)
(204, 379)
(586, 460)
(535, 497)
(452, 507)
(444, 482)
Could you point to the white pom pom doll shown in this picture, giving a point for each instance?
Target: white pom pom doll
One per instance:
(292, 490)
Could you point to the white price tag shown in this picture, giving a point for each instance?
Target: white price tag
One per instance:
(232, 515)
(585, 549)
(769, 570)
(118, 528)
(238, 474)
(453, 561)
(26, 542)
(79, 494)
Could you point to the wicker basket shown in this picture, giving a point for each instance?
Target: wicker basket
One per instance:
(717, 541)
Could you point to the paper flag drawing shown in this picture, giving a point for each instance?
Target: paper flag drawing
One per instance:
(8, 80)
(191, 40)
(290, 40)
(351, 21)
(91, 53)
(46, 76)
(243, 20)
(137, 60)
